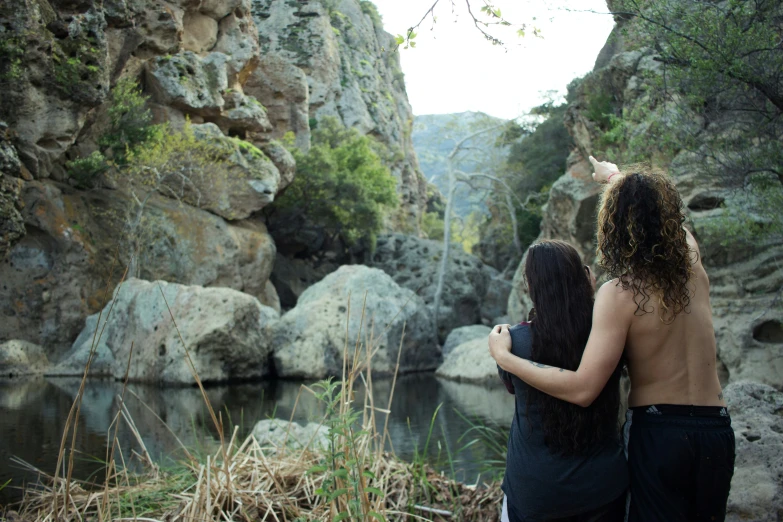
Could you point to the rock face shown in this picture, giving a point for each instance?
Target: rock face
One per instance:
(310, 339)
(11, 221)
(414, 263)
(757, 418)
(470, 362)
(463, 335)
(226, 333)
(745, 280)
(201, 61)
(22, 358)
(335, 59)
(570, 215)
(57, 274)
(54, 68)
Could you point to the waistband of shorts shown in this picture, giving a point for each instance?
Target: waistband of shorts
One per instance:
(681, 410)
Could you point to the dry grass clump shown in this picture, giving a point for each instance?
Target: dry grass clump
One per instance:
(347, 476)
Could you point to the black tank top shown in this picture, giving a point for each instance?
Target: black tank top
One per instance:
(539, 483)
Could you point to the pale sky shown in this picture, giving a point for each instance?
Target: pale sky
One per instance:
(454, 69)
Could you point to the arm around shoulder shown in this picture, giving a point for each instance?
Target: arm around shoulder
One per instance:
(611, 320)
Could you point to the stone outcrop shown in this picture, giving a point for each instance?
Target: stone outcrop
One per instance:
(19, 358)
(243, 181)
(11, 221)
(225, 331)
(309, 341)
(414, 263)
(54, 68)
(58, 273)
(757, 418)
(470, 362)
(570, 215)
(464, 334)
(335, 59)
(745, 279)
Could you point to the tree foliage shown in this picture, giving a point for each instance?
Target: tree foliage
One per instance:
(341, 185)
(130, 120)
(719, 96)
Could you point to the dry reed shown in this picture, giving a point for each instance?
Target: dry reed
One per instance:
(247, 480)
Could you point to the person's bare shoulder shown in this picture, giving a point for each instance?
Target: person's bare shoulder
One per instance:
(613, 295)
(694, 246)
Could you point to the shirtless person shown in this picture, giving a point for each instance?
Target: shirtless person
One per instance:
(678, 436)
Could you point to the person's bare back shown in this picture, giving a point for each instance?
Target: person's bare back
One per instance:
(674, 363)
(656, 312)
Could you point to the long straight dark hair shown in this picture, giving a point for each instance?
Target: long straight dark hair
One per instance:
(562, 296)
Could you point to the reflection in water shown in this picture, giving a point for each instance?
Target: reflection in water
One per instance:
(33, 415)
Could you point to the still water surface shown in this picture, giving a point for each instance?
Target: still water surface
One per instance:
(33, 415)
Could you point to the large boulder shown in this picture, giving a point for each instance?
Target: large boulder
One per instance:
(310, 340)
(58, 273)
(495, 303)
(199, 86)
(22, 358)
(414, 263)
(470, 362)
(757, 418)
(225, 332)
(278, 434)
(292, 276)
(464, 334)
(242, 182)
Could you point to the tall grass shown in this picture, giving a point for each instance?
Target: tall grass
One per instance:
(350, 477)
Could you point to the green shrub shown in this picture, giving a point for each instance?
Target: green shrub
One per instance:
(84, 170)
(341, 184)
(130, 121)
(432, 225)
(175, 163)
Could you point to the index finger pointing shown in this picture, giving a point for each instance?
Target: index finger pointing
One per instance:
(593, 161)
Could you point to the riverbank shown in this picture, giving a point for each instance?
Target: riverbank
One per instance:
(247, 480)
(343, 472)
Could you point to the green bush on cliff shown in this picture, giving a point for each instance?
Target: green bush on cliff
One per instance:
(130, 121)
(84, 170)
(341, 184)
(130, 127)
(175, 164)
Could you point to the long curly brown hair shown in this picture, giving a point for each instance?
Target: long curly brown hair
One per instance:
(641, 241)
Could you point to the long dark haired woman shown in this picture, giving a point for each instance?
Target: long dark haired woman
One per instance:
(564, 462)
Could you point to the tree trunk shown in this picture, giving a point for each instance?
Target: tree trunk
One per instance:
(444, 262)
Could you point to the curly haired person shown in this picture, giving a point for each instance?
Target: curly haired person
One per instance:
(655, 310)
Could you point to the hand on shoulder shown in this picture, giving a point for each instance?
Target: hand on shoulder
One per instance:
(499, 342)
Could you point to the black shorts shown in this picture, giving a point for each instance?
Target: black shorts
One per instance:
(681, 460)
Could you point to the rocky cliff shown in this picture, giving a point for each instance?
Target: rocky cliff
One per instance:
(242, 74)
(333, 58)
(745, 279)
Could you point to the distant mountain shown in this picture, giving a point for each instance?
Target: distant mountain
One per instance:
(434, 137)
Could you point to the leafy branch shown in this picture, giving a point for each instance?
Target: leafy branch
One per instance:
(489, 16)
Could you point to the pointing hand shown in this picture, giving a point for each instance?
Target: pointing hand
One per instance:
(603, 170)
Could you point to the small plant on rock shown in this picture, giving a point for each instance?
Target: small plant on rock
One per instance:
(130, 120)
(84, 170)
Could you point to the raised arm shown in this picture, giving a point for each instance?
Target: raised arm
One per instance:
(611, 320)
